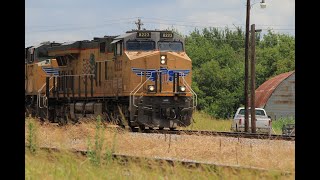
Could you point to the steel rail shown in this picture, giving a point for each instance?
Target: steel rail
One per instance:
(221, 133)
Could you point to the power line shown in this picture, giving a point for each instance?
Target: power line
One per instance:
(189, 25)
(77, 28)
(179, 21)
(150, 22)
(61, 25)
(240, 40)
(154, 22)
(233, 40)
(175, 20)
(186, 25)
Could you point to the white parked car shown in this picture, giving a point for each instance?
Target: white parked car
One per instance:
(263, 121)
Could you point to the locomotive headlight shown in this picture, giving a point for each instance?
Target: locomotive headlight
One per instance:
(163, 59)
(151, 88)
(182, 88)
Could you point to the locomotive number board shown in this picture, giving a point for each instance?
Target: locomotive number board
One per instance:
(143, 34)
(166, 35)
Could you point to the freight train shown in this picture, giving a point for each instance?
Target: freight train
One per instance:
(141, 79)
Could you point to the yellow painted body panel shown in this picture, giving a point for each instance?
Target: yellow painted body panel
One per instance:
(35, 77)
(152, 61)
(120, 80)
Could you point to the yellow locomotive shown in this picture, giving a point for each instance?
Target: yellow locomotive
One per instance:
(37, 66)
(141, 78)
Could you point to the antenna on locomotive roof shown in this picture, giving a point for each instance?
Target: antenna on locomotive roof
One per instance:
(139, 24)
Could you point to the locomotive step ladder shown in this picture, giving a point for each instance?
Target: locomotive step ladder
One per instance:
(42, 99)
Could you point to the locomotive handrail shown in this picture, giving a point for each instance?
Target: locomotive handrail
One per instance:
(130, 101)
(195, 103)
(78, 75)
(140, 88)
(53, 86)
(39, 94)
(195, 96)
(45, 96)
(44, 85)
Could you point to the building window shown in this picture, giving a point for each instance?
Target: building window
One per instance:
(103, 47)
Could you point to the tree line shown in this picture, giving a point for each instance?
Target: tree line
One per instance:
(218, 65)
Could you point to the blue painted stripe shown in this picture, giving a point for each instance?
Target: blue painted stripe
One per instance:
(151, 72)
(51, 71)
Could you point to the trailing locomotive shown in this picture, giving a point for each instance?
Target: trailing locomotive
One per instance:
(141, 79)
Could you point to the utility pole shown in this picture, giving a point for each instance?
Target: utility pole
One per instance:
(246, 69)
(253, 77)
(139, 24)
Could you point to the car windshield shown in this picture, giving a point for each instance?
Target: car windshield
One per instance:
(170, 46)
(140, 45)
(258, 112)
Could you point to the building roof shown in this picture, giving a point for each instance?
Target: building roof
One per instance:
(264, 91)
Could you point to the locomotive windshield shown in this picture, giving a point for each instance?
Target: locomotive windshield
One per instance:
(170, 46)
(140, 45)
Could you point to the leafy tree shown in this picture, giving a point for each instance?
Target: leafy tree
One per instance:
(218, 65)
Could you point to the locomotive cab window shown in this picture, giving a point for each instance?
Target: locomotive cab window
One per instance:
(170, 46)
(118, 49)
(103, 47)
(32, 57)
(110, 48)
(140, 45)
(26, 53)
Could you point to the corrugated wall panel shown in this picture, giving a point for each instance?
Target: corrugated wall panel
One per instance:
(282, 101)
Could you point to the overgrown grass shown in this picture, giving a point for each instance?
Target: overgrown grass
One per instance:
(64, 165)
(273, 155)
(278, 124)
(203, 121)
(31, 134)
(95, 153)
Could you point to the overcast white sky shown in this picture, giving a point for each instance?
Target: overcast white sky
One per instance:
(70, 20)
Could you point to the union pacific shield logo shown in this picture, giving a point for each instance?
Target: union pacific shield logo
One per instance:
(167, 75)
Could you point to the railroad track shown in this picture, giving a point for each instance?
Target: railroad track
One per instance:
(213, 133)
(227, 134)
(210, 133)
(170, 161)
